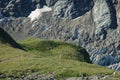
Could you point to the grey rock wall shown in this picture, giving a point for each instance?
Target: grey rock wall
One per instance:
(20, 8)
(71, 8)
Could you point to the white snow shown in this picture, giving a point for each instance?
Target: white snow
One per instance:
(37, 13)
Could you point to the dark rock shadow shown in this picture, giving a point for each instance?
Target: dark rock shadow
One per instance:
(6, 38)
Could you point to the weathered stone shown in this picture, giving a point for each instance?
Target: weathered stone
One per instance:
(71, 8)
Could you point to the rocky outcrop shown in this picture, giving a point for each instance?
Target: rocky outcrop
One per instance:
(51, 2)
(104, 17)
(71, 8)
(18, 8)
(92, 24)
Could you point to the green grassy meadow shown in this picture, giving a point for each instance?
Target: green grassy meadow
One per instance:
(47, 57)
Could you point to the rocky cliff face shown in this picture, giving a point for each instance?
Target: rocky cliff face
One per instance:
(19, 8)
(92, 24)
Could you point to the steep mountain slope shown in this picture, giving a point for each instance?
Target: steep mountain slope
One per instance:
(92, 24)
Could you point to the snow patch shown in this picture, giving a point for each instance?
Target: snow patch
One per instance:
(37, 13)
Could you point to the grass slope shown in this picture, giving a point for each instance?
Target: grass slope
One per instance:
(57, 49)
(48, 57)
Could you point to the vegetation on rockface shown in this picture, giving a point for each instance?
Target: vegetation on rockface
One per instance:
(47, 57)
